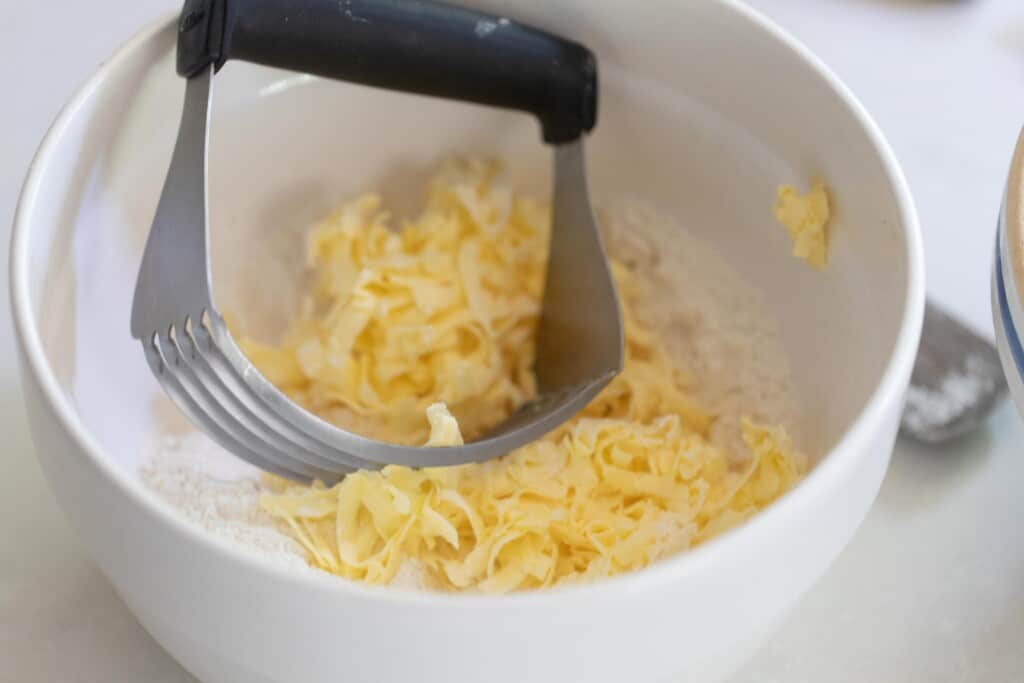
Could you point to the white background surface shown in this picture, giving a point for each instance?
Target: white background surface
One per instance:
(932, 588)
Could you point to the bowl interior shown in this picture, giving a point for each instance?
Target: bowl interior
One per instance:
(703, 117)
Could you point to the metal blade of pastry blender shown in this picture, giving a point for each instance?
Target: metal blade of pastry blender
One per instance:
(580, 335)
(956, 384)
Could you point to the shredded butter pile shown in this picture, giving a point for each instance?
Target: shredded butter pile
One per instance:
(443, 311)
(805, 217)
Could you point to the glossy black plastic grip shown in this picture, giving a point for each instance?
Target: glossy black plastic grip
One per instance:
(415, 46)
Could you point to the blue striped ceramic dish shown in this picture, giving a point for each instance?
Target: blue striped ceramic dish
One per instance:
(1008, 280)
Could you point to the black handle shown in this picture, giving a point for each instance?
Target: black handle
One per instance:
(416, 46)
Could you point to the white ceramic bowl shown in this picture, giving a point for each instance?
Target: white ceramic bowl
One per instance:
(1008, 280)
(706, 108)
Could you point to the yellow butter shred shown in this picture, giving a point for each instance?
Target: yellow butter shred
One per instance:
(444, 428)
(413, 334)
(805, 217)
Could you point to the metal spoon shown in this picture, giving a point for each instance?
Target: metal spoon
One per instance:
(956, 384)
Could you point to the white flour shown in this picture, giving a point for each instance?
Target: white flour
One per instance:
(219, 492)
(931, 408)
(716, 326)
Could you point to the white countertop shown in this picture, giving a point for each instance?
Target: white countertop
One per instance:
(932, 587)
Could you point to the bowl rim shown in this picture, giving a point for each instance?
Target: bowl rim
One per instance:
(828, 474)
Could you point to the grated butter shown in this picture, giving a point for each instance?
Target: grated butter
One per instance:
(443, 311)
